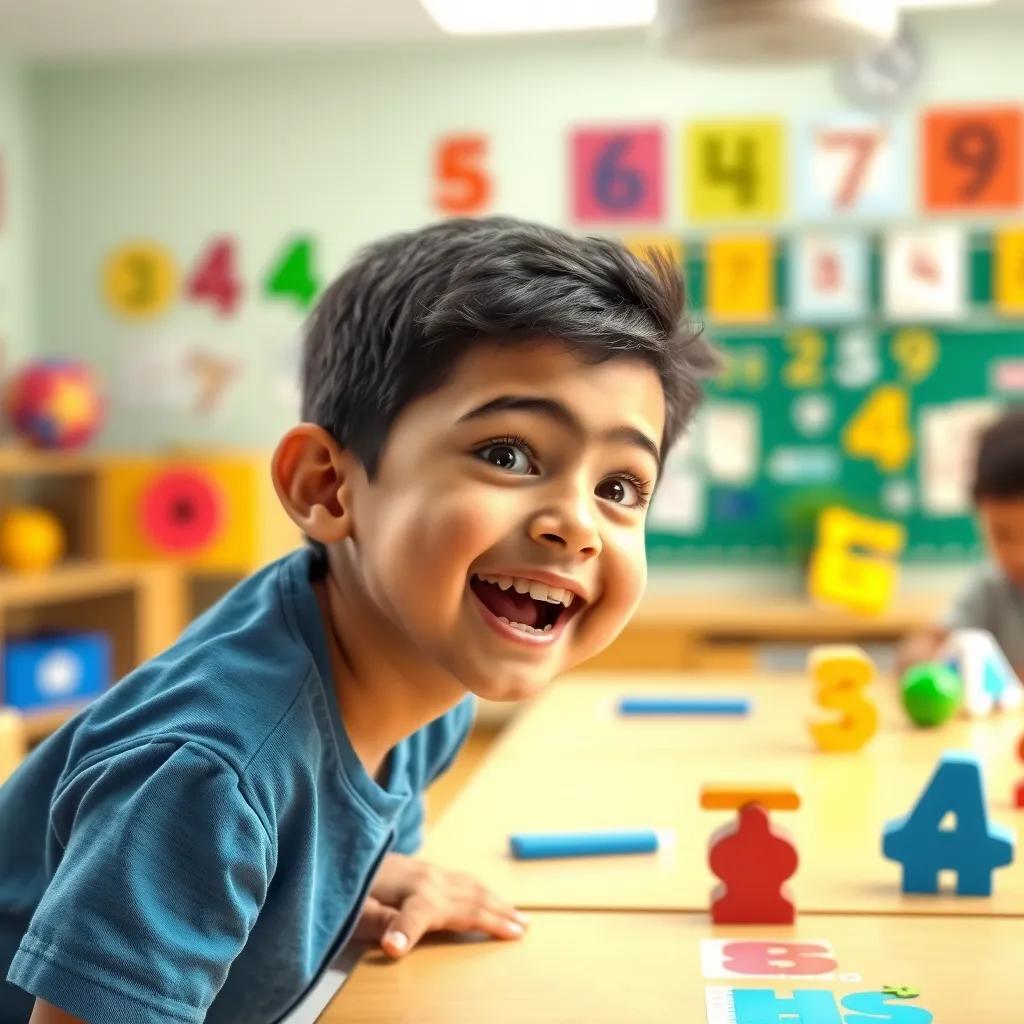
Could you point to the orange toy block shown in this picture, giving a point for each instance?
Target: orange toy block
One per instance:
(753, 859)
(730, 796)
(841, 674)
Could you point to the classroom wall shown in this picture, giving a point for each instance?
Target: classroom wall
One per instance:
(16, 229)
(338, 145)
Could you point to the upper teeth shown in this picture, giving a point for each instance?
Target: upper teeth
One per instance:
(537, 590)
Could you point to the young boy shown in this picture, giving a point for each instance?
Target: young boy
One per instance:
(487, 405)
(994, 597)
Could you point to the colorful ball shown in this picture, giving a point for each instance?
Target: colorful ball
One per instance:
(31, 539)
(55, 403)
(931, 693)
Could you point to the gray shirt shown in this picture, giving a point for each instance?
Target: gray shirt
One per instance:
(990, 601)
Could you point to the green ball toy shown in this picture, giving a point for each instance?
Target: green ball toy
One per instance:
(931, 693)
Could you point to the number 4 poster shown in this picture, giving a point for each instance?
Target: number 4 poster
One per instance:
(735, 169)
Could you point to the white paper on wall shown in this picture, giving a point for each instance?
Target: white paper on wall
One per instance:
(732, 442)
(829, 277)
(924, 274)
(949, 440)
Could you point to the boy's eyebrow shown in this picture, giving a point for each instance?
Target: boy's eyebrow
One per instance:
(562, 414)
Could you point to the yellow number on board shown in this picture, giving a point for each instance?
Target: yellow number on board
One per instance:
(916, 351)
(880, 429)
(804, 370)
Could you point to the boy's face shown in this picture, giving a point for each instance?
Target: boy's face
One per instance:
(1002, 522)
(471, 485)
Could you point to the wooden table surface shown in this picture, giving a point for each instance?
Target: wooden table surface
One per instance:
(570, 763)
(638, 968)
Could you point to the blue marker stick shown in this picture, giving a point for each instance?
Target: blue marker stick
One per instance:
(684, 706)
(538, 845)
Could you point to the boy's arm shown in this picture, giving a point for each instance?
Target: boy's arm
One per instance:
(47, 1013)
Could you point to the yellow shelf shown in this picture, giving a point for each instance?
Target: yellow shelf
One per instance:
(18, 460)
(71, 580)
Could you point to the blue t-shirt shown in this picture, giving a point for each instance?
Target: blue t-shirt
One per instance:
(198, 842)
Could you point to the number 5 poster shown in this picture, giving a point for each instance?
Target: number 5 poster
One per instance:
(617, 174)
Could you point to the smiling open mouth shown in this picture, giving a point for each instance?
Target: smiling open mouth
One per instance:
(523, 612)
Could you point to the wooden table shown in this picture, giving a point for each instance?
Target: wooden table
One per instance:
(570, 763)
(630, 967)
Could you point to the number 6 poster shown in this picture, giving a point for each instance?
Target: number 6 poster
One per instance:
(617, 174)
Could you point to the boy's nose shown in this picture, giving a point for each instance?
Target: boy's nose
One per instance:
(571, 529)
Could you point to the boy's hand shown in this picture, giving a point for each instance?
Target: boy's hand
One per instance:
(409, 898)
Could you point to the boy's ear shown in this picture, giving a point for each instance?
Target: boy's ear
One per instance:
(312, 475)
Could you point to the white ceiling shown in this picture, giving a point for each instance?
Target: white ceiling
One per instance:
(84, 27)
(67, 28)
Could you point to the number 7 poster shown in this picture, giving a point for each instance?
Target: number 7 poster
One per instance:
(849, 165)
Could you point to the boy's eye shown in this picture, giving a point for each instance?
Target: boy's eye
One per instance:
(506, 455)
(618, 489)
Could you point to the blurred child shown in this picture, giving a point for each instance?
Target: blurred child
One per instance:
(487, 406)
(994, 597)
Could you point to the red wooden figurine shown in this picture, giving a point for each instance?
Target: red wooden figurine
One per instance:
(753, 860)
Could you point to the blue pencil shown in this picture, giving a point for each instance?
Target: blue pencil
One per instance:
(538, 845)
(684, 706)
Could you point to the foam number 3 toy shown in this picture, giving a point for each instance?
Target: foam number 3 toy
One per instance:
(853, 564)
(841, 673)
(988, 680)
(973, 849)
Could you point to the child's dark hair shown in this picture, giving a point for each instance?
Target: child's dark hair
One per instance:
(999, 472)
(393, 324)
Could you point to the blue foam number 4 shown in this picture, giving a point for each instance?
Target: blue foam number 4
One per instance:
(973, 849)
(817, 1006)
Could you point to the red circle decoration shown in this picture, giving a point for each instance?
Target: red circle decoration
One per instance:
(181, 511)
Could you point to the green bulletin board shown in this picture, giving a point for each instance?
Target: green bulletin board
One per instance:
(790, 393)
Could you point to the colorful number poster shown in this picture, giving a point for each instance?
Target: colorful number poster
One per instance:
(849, 165)
(617, 174)
(735, 169)
(828, 277)
(924, 274)
(1008, 284)
(970, 158)
(741, 280)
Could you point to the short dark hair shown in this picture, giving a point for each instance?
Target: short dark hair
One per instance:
(999, 472)
(391, 327)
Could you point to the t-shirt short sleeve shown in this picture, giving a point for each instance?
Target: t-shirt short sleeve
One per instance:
(970, 608)
(163, 868)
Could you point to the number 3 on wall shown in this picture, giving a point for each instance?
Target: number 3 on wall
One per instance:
(734, 169)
